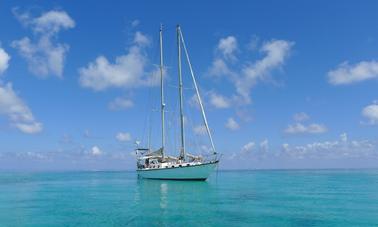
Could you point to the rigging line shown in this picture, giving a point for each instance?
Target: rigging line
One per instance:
(151, 111)
(198, 94)
(175, 121)
(171, 128)
(191, 121)
(148, 118)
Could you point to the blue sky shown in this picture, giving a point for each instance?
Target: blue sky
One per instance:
(286, 84)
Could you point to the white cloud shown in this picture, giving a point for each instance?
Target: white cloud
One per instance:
(277, 51)
(245, 150)
(219, 101)
(299, 128)
(371, 113)
(232, 124)
(17, 111)
(141, 39)
(29, 127)
(264, 145)
(332, 149)
(125, 72)
(299, 117)
(227, 46)
(219, 68)
(344, 137)
(123, 136)
(128, 71)
(96, 151)
(4, 60)
(244, 73)
(200, 130)
(346, 73)
(49, 22)
(120, 104)
(44, 57)
(226, 52)
(248, 147)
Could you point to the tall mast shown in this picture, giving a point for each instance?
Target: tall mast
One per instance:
(162, 92)
(182, 150)
(198, 94)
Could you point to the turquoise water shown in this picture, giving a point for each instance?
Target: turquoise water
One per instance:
(230, 198)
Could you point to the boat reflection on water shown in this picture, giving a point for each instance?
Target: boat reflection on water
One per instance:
(159, 202)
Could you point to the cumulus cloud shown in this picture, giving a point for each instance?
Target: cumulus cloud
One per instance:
(4, 60)
(346, 73)
(344, 137)
(244, 73)
(127, 71)
(246, 150)
(141, 39)
(332, 149)
(120, 103)
(342, 152)
(219, 101)
(264, 145)
(123, 136)
(231, 124)
(96, 151)
(248, 147)
(45, 56)
(299, 128)
(227, 47)
(276, 53)
(370, 112)
(219, 68)
(17, 111)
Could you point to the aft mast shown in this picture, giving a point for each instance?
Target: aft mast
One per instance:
(182, 150)
(162, 93)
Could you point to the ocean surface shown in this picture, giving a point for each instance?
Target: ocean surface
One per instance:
(228, 198)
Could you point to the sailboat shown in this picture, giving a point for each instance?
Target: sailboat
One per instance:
(157, 164)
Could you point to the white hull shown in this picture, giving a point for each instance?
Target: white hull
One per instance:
(193, 172)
